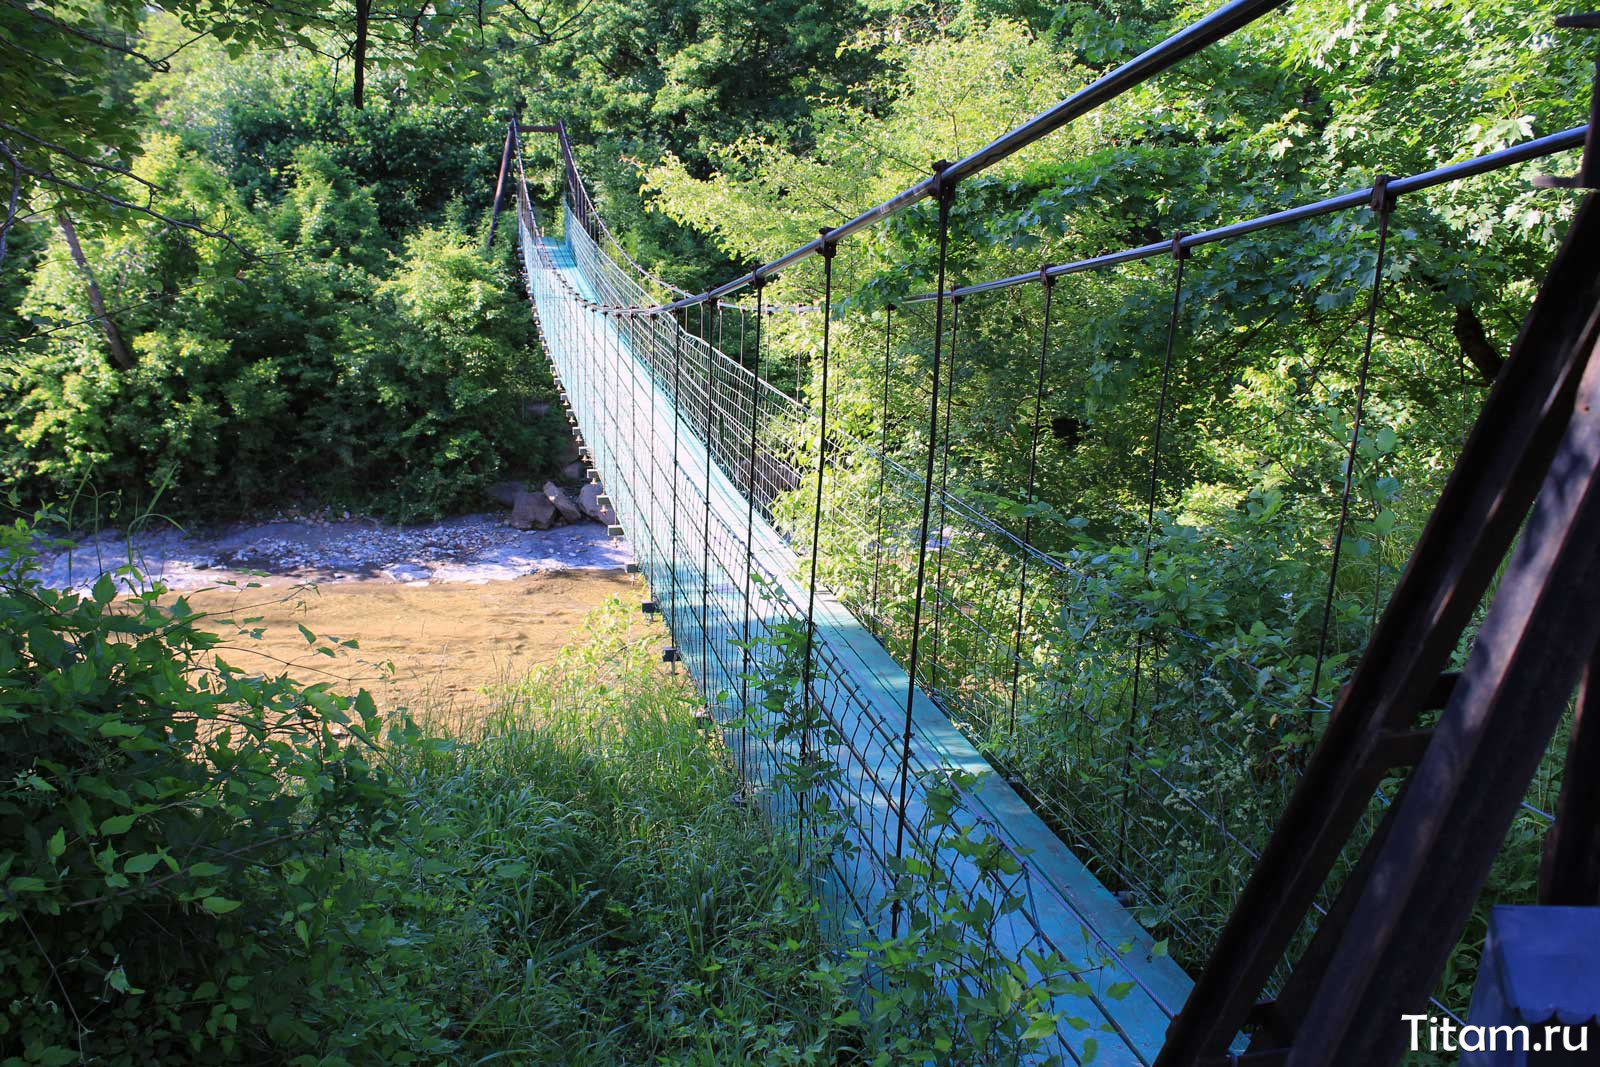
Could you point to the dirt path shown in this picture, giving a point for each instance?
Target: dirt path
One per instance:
(439, 649)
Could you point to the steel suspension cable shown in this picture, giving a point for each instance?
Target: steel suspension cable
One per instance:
(1180, 255)
(944, 484)
(750, 509)
(1214, 27)
(1382, 204)
(946, 193)
(705, 547)
(808, 668)
(883, 469)
(733, 468)
(677, 409)
(626, 333)
(1564, 141)
(1027, 522)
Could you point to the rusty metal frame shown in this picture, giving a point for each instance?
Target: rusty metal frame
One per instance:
(1380, 950)
(1570, 872)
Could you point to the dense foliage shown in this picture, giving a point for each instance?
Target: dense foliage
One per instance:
(200, 864)
(347, 345)
(171, 834)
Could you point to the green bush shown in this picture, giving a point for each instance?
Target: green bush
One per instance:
(453, 388)
(170, 839)
(364, 354)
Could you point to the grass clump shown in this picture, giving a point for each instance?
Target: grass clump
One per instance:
(609, 898)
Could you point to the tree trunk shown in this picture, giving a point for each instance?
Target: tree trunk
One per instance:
(1474, 342)
(119, 351)
(363, 9)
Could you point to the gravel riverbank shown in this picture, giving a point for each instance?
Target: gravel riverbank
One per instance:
(468, 549)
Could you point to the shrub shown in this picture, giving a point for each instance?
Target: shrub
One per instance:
(328, 372)
(171, 886)
(454, 382)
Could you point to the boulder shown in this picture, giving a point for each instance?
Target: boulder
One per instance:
(533, 511)
(504, 493)
(575, 473)
(589, 501)
(568, 511)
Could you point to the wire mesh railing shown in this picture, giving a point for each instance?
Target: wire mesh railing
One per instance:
(1171, 795)
(696, 453)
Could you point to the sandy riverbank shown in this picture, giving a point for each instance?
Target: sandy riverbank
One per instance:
(440, 649)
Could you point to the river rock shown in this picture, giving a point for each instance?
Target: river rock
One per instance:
(575, 473)
(533, 511)
(589, 501)
(504, 492)
(568, 511)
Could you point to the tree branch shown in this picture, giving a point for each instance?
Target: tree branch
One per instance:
(80, 160)
(184, 871)
(11, 207)
(119, 349)
(159, 65)
(118, 202)
(73, 1008)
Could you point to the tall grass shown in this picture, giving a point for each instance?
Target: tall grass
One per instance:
(589, 886)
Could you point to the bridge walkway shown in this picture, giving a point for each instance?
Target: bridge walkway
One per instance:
(672, 473)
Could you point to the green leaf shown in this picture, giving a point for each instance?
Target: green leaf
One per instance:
(1043, 1026)
(57, 843)
(52, 1056)
(310, 637)
(117, 979)
(118, 824)
(142, 863)
(219, 905)
(105, 590)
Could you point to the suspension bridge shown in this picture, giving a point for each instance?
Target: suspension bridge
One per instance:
(778, 547)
